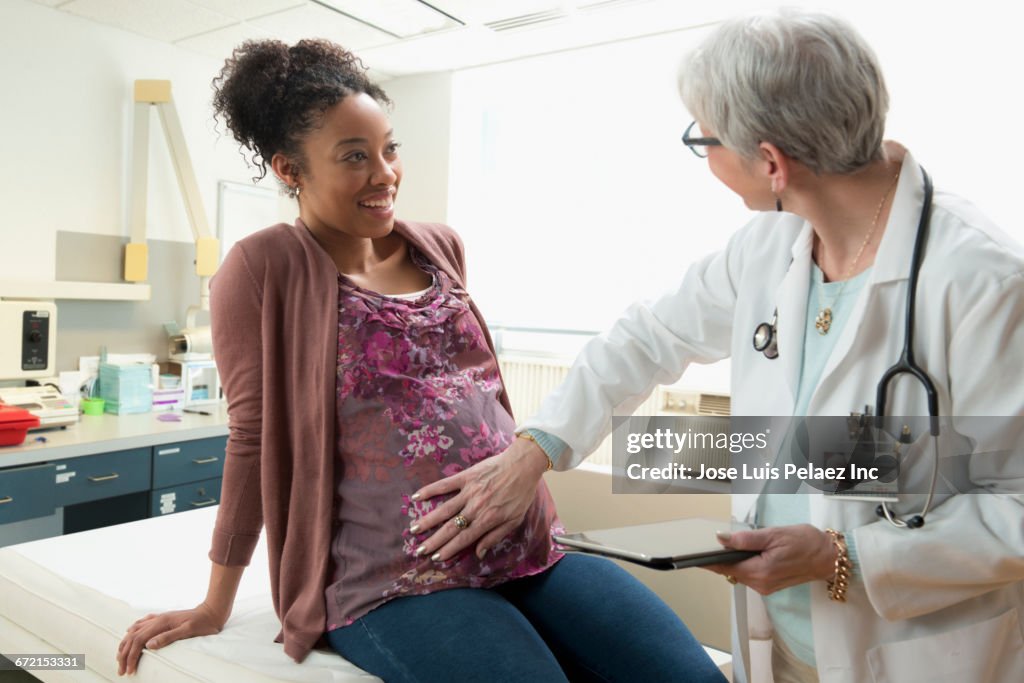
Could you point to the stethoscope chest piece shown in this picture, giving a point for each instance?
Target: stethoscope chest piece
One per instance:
(765, 340)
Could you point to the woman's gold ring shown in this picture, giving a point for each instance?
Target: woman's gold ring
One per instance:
(460, 522)
(731, 579)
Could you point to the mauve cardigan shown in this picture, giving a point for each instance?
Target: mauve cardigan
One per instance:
(274, 313)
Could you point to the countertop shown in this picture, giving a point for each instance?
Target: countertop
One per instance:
(105, 433)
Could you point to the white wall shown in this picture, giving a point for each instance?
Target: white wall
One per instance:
(422, 122)
(575, 196)
(564, 173)
(67, 120)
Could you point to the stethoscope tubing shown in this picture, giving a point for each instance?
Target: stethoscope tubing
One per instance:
(906, 363)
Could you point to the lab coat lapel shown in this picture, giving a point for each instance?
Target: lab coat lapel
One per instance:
(791, 299)
(792, 302)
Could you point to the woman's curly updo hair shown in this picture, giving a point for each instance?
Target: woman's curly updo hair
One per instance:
(271, 95)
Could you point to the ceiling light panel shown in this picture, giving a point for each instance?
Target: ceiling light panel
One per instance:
(315, 21)
(247, 9)
(166, 20)
(403, 18)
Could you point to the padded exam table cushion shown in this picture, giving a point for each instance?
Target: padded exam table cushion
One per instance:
(79, 593)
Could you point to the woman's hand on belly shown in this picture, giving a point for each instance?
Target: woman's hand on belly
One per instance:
(789, 555)
(492, 495)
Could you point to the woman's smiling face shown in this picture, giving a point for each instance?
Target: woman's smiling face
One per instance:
(351, 171)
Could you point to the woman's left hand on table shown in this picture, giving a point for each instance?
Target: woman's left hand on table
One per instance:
(788, 556)
(493, 496)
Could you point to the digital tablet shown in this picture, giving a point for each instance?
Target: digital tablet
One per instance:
(674, 544)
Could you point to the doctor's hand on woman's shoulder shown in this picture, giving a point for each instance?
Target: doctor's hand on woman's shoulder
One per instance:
(787, 556)
(154, 631)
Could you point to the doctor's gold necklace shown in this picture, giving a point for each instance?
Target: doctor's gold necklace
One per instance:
(823, 321)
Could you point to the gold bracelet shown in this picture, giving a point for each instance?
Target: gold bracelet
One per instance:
(840, 580)
(530, 437)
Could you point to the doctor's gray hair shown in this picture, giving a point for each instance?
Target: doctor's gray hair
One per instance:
(806, 82)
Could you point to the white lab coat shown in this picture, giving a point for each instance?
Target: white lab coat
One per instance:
(940, 603)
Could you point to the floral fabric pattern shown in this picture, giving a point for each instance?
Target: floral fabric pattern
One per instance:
(417, 401)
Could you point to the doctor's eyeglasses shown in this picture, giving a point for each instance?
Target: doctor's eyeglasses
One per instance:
(699, 146)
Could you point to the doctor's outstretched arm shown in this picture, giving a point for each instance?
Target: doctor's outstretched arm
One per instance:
(651, 344)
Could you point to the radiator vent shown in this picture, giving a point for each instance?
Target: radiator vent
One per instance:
(713, 404)
(529, 379)
(676, 402)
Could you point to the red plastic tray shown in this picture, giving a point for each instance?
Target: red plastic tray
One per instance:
(14, 425)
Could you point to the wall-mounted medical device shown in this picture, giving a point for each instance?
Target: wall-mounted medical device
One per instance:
(28, 339)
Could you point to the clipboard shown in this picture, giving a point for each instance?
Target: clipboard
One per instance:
(675, 544)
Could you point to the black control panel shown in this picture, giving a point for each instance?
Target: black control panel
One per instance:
(35, 340)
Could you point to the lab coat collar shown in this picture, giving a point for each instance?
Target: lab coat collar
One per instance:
(892, 261)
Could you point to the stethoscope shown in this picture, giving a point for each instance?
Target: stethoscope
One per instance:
(766, 342)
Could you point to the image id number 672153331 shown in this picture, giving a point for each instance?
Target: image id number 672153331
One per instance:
(41, 661)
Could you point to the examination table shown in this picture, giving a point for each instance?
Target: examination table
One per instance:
(77, 594)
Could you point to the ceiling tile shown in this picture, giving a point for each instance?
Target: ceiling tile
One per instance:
(247, 9)
(314, 21)
(161, 19)
(378, 76)
(401, 17)
(51, 3)
(220, 43)
(477, 44)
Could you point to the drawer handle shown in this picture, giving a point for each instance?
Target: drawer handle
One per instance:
(206, 461)
(107, 477)
(203, 503)
(6, 499)
(169, 451)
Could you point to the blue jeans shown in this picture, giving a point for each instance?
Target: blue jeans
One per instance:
(585, 619)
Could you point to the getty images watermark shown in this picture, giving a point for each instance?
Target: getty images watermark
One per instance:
(857, 456)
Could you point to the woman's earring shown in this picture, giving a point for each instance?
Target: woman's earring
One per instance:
(778, 203)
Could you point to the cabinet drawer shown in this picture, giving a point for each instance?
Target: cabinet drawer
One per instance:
(26, 492)
(178, 463)
(198, 494)
(105, 475)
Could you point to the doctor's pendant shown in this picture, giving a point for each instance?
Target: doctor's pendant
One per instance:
(823, 321)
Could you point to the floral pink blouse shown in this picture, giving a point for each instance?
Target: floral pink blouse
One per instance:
(417, 401)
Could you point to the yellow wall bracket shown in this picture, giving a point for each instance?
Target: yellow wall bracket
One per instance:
(136, 262)
(157, 93)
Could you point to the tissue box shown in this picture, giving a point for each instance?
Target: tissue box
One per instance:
(127, 388)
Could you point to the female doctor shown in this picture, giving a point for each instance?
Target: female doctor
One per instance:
(790, 111)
